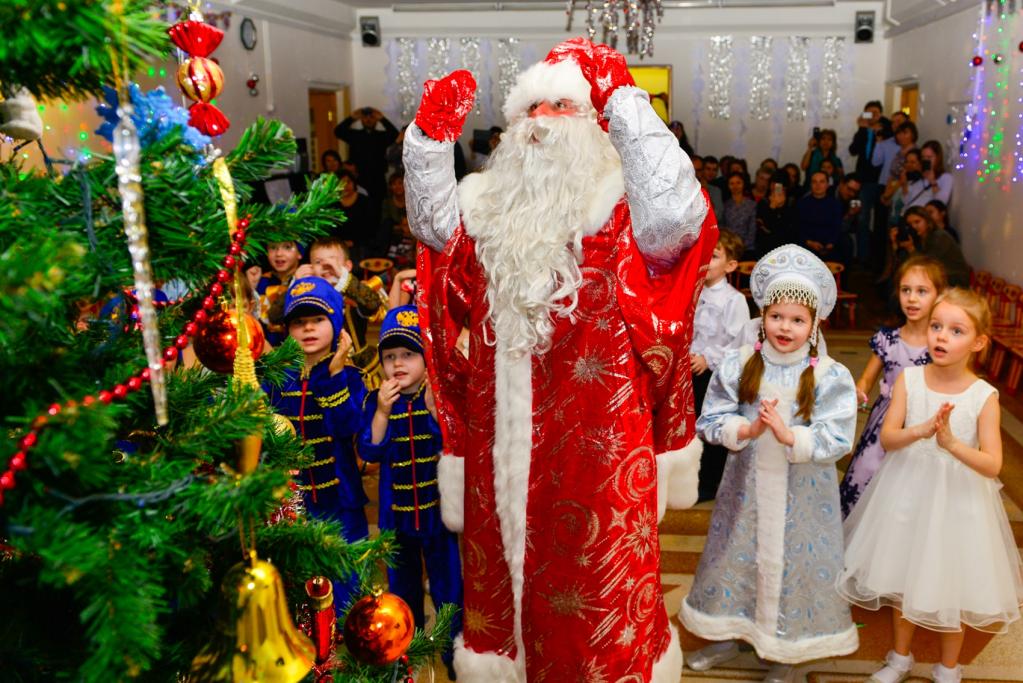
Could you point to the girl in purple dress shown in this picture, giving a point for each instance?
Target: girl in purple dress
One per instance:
(920, 280)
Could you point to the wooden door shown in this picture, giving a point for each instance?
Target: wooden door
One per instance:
(322, 121)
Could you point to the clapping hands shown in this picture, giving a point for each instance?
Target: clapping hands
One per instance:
(942, 430)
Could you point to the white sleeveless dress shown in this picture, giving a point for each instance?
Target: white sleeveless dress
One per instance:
(930, 535)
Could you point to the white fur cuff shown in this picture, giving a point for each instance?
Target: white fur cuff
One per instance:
(730, 433)
(802, 448)
(678, 475)
(486, 667)
(451, 482)
(668, 669)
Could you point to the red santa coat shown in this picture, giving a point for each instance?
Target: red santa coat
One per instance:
(585, 427)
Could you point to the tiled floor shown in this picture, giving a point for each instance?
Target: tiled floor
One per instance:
(682, 535)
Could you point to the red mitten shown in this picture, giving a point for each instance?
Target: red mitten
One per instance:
(445, 105)
(604, 68)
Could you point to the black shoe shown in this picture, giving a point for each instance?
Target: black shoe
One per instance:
(451, 671)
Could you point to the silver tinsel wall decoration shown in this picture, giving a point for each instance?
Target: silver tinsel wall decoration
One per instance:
(127, 152)
(508, 66)
(719, 85)
(831, 91)
(472, 61)
(797, 78)
(636, 18)
(405, 71)
(760, 48)
(438, 58)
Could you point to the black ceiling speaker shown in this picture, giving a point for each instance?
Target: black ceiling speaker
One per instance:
(864, 27)
(369, 27)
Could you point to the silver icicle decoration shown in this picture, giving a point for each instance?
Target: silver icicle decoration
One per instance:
(472, 61)
(797, 78)
(831, 91)
(438, 57)
(127, 152)
(639, 19)
(760, 77)
(408, 85)
(719, 86)
(509, 65)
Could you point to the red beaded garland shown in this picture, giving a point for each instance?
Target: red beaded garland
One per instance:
(19, 461)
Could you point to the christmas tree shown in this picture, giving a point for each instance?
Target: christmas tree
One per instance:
(124, 538)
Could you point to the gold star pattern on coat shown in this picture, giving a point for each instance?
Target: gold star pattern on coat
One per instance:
(642, 539)
(568, 602)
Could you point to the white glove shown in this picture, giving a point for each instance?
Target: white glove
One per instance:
(342, 280)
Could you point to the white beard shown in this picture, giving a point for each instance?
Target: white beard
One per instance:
(528, 223)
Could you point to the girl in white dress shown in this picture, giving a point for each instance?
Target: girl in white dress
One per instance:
(930, 537)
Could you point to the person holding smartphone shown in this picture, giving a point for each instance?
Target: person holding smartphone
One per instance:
(367, 147)
(865, 140)
(934, 182)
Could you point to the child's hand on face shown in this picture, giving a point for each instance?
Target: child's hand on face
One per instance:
(344, 349)
(304, 270)
(389, 391)
(942, 429)
(770, 416)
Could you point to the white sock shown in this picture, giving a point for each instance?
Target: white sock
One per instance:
(943, 674)
(896, 668)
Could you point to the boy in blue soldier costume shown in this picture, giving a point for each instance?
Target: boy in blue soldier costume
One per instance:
(323, 401)
(400, 431)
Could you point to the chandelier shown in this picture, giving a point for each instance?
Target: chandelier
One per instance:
(638, 18)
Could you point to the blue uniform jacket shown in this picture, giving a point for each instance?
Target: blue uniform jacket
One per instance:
(408, 454)
(326, 412)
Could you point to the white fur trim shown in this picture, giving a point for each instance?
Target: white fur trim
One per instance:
(512, 451)
(487, 667)
(608, 193)
(802, 449)
(730, 432)
(451, 482)
(767, 645)
(606, 196)
(678, 477)
(668, 669)
(544, 81)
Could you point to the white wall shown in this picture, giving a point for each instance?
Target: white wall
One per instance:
(678, 37)
(291, 56)
(938, 56)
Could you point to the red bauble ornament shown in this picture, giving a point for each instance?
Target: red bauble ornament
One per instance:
(120, 391)
(216, 289)
(977, 60)
(29, 440)
(207, 303)
(200, 317)
(223, 276)
(378, 629)
(134, 384)
(106, 397)
(7, 481)
(201, 79)
(218, 339)
(17, 462)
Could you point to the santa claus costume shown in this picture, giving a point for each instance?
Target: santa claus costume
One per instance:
(575, 261)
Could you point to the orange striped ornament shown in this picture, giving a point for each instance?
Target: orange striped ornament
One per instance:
(200, 78)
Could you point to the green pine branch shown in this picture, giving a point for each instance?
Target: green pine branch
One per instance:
(60, 49)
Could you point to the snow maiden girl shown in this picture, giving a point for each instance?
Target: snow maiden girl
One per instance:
(775, 547)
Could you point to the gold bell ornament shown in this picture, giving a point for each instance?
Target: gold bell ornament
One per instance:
(259, 641)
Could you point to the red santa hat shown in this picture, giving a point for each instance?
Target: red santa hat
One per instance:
(561, 76)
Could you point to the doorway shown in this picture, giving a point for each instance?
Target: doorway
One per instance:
(323, 118)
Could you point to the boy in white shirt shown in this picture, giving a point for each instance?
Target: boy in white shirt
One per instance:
(721, 315)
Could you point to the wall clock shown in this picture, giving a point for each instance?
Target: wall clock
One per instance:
(248, 34)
